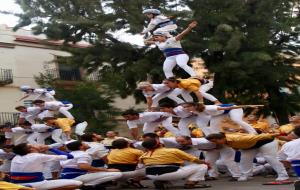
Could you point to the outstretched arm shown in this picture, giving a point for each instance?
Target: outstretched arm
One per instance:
(24, 97)
(187, 30)
(149, 41)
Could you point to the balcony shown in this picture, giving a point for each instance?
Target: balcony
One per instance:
(10, 117)
(6, 76)
(69, 76)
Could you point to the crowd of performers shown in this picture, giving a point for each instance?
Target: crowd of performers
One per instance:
(45, 151)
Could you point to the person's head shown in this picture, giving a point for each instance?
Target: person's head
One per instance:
(26, 89)
(151, 13)
(171, 82)
(77, 145)
(295, 119)
(166, 106)
(296, 131)
(147, 136)
(150, 144)
(26, 125)
(21, 108)
(39, 103)
(160, 37)
(110, 134)
(120, 144)
(217, 138)
(252, 118)
(90, 137)
(8, 148)
(49, 121)
(22, 149)
(193, 106)
(130, 115)
(184, 140)
(145, 86)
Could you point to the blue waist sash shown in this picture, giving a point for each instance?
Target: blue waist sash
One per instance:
(70, 173)
(173, 51)
(22, 177)
(296, 166)
(65, 102)
(226, 105)
(166, 23)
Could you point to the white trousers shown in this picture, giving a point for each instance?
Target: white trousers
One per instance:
(202, 122)
(226, 155)
(98, 177)
(203, 91)
(236, 115)
(38, 138)
(183, 125)
(269, 152)
(193, 172)
(65, 112)
(62, 110)
(173, 95)
(52, 184)
(149, 127)
(181, 60)
(58, 136)
(47, 97)
(136, 173)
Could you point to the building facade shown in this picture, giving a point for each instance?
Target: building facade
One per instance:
(24, 56)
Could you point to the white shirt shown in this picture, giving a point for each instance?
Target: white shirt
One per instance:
(146, 117)
(182, 113)
(80, 157)
(158, 88)
(33, 162)
(40, 128)
(96, 150)
(155, 21)
(169, 43)
(31, 111)
(290, 150)
(213, 110)
(39, 91)
(53, 105)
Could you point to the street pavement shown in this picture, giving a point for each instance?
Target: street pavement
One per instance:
(224, 184)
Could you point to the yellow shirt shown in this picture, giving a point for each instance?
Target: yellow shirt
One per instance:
(124, 156)
(162, 156)
(9, 186)
(168, 134)
(288, 128)
(64, 123)
(245, 141)
(262, 126)
(190, 84)
(197, 133)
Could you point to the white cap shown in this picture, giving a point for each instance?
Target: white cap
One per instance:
(152, 11)
(25, 87)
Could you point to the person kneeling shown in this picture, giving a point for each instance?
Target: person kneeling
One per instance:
(164, 164)
(79, 168)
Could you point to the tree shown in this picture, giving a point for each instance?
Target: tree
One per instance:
(242, 42)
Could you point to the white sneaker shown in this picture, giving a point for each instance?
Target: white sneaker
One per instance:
(242, 178)
(80, 128)
(282, 178)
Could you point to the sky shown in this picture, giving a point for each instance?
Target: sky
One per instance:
(10, 20)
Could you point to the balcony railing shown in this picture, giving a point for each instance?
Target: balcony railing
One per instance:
(68, 75)
(72, 75)
(6, 76)
(10, 117)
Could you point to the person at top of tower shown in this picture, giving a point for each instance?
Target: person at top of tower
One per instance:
(172, 49)
(158, 22)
